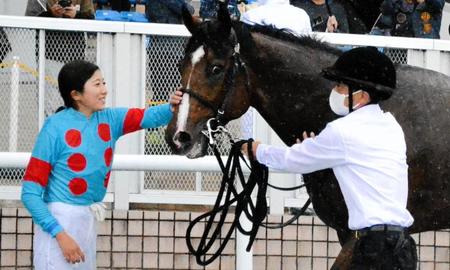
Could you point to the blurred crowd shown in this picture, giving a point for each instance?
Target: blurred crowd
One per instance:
(409, 18)
(406, 18)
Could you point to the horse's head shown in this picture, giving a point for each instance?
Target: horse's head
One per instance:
(213, 79)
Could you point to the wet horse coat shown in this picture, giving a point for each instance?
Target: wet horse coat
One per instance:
(284, 85)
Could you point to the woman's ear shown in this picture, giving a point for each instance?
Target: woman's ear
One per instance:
(75, 95)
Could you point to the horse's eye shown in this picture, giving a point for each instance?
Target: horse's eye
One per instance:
(216, 70)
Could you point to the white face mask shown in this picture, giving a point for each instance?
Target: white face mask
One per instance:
(337, 102)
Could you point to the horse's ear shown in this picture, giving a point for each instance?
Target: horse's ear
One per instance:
(189, 21)
(223, 16)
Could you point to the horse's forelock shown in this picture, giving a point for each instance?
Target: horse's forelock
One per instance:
(210, 35)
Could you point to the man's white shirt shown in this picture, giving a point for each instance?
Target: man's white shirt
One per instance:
(279, 14)
(367, 152)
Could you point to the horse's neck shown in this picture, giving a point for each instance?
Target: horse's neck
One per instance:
(288, 90)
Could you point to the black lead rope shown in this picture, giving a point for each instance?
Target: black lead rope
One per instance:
(256, 213)
(227, 196)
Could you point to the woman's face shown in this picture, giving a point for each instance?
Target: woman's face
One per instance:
(94, 94)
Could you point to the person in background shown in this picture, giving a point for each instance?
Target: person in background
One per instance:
(5, 45)
(410, 18)
(120, 5)
(279, 14)
(69, 169)
(366, 150)
(167, 11)
(72, 9)
(208, 9)
(62, 46)
(323, 19)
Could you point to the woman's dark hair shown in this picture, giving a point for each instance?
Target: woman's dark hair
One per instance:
(73, 76)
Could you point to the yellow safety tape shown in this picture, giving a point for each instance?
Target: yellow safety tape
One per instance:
(29, 70)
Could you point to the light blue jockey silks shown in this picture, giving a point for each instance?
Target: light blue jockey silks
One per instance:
(71, 160)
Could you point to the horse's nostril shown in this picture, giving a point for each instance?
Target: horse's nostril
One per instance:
(183, 137)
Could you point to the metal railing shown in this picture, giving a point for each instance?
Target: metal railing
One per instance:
(139, 63)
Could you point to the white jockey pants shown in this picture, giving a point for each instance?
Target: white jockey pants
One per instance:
(79, 223)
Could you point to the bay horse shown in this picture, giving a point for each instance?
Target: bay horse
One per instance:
(278, 74)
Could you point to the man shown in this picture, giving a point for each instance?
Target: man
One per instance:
(62, 46)
(410, 18)
(279, 14)
(208, 9)
(321, 19)
(72, 9)
(167, 11)
(5, 46)
(367, 151)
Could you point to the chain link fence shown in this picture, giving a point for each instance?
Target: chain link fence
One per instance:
(22, 45)
(162, 77)
(163, 54)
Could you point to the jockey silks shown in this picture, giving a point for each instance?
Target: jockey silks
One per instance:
(71, 160)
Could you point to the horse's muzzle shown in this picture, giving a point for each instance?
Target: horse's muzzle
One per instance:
(182, 140)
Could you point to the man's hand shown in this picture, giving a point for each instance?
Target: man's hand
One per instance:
(244, 149)
(305, 136)
(175, 99)
(70, 12)
(332, 24)
(70, 249)
(57, 10)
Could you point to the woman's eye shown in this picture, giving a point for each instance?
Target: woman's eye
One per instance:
(216, 70)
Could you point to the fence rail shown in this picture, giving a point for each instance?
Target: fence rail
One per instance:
(139, 63)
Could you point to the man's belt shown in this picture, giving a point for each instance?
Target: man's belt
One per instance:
(378, 228)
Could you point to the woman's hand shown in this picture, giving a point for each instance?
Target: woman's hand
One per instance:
(175, 99)
(70, 249)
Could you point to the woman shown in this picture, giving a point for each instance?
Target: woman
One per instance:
(71, 163)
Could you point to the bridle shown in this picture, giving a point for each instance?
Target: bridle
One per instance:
(217, 122)
(254, 210)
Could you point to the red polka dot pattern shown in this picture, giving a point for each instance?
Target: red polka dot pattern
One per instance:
(104, 132)
(78, 186)
(108, 156)
(73, 137)
(106, 181)
(77, 162)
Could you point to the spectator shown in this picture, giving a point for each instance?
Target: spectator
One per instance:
(5, 46)
(208, 9)
(80, 9)
(62, 46)
(279, 14)
(410, 18)
(120, 5)
(323, 19)
(167, 11)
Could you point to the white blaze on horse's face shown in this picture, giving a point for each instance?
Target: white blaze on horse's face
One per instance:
(183, 112)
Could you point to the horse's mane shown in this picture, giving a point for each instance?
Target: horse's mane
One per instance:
(311, 41)
(245, 30)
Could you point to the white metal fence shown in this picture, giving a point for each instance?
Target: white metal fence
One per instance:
(139, 63)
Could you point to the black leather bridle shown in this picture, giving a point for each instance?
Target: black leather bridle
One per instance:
(237, 66)
(232, 172)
